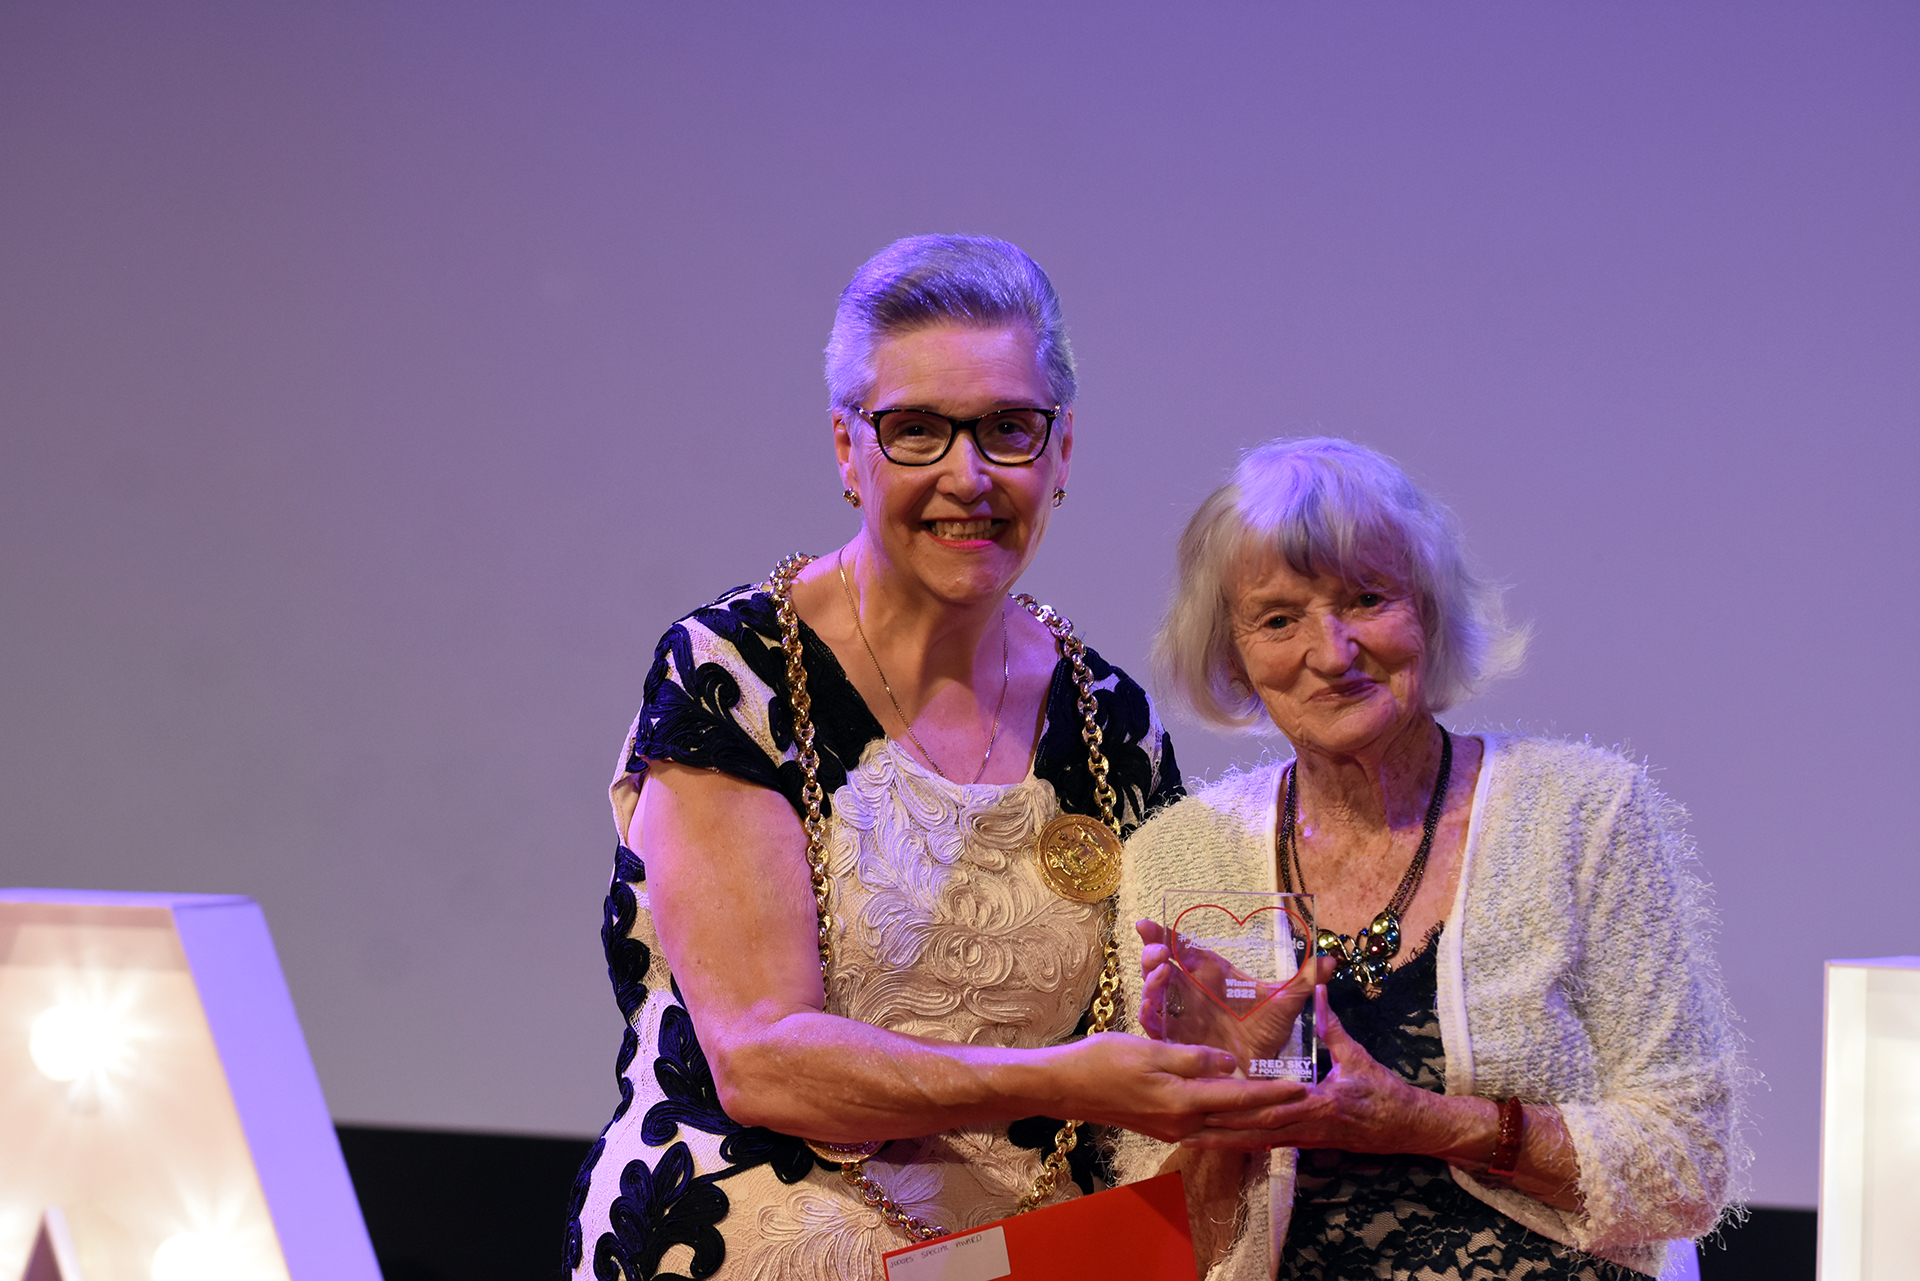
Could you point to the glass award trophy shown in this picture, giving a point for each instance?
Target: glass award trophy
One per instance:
(1234, 978)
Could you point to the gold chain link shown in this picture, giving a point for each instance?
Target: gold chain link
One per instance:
(1054, 1167)
(1076, 652)
(810, 793)
(856, 1177)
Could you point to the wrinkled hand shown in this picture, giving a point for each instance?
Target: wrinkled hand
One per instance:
(1360, 1106)
(1190, 993)
(1186, 1001)
(1165, 1091)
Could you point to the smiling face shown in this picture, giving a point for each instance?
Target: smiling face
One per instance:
(963, 529)
(1337, 664)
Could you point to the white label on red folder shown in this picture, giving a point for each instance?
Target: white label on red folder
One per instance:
(978, 1256)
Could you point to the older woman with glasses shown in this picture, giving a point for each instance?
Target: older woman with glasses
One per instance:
(863, 904)
(1532, 1069)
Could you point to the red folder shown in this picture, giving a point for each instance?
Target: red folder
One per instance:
(1138, 1232)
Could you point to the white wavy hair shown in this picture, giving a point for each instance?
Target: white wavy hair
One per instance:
(930, 280)
(1327, 506)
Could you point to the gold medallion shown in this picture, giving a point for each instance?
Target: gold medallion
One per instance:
(844, 1153)
(1079, 858)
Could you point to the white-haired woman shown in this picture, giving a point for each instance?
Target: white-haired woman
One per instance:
(1532, 1067)
(879, 766)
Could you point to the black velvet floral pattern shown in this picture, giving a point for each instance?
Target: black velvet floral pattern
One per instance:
(687, 1083)
(628, 959)
(1397, 1218)
(692, 1099)
(691, 710)
(692, 715)
(656, 1210)
(575, 1245)
(1124, 724)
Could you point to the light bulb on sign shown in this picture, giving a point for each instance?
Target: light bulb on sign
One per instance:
(197, 1256)
(71, 1042)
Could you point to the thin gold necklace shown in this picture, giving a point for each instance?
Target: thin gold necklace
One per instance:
(1078, 857)
(1006, 674)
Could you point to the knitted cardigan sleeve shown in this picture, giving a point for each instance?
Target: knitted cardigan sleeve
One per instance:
(1657, 1143)
(1591, 985)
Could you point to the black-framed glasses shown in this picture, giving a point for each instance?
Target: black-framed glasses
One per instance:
(921, 438)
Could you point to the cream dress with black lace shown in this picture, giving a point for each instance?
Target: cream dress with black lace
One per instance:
(948, 932)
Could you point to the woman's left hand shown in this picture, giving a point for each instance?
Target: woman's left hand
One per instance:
(1358, 1107)
(1363, 1107)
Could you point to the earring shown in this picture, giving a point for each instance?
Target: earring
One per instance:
(853, 499)
(1059, 496)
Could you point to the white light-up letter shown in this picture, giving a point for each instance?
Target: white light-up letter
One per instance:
(69, 1042)
(159, 1115)
(196, 1256)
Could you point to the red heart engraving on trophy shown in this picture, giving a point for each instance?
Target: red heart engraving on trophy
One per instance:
(1239, 921)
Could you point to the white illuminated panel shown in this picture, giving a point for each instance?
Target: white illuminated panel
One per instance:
(155, 1088)
(1870, 1121)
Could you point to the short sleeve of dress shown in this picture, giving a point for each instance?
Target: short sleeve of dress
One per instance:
(710, 694)
(716, 698)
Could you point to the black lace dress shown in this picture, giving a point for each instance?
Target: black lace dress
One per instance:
(1402, 1218)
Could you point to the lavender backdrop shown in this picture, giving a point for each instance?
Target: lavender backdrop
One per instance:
(378, 379)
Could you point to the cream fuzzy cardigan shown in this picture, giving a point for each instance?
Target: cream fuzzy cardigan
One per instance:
(1575, 969)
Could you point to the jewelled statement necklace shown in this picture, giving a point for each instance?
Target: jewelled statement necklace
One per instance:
(1367, 956)
(1006, 676)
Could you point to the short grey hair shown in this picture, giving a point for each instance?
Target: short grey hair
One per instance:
(1327, 506)
(930, 280)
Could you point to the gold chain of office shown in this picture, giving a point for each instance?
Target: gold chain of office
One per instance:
(1094, 866)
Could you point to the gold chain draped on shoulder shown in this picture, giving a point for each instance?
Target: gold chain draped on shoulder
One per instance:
(1078, 857)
